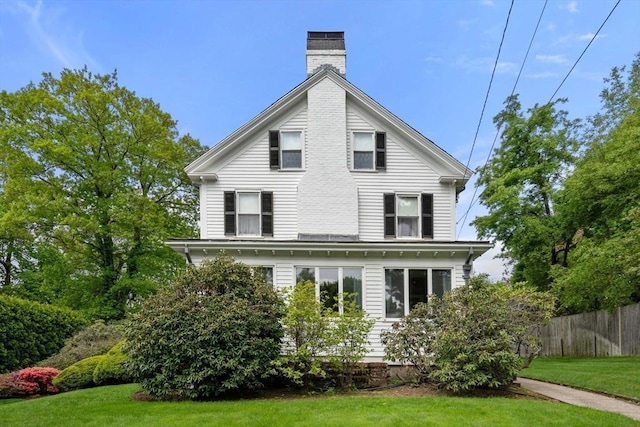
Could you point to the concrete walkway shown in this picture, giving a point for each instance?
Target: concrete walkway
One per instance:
(581, 398)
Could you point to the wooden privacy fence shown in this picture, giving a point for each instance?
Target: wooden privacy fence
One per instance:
(595, 334)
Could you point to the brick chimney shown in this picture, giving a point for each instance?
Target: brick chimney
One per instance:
(326, 49)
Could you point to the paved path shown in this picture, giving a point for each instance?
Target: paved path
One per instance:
(582, 398)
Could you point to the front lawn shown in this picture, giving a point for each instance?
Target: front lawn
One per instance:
(112, 406)
(617, 375)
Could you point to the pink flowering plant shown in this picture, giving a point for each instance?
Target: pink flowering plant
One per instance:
(36, 380)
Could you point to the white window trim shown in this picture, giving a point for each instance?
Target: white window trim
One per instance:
(406, 284)
(238, 192)
(340, 280)
(302, 149)
(418, 197)
(373, 150)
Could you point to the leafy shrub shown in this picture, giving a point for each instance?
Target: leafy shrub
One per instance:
(110, 370)
(93, 340)
(215, 329)
(30, 332)
(36, 380)
(470, 337)
(9, 387)
(78, 375)
(318, 336)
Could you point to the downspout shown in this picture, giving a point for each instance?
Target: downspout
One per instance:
(187, 255)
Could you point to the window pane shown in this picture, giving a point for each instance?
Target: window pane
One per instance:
(248, 225)
(417, 287)
(362, 141)
(266, 272)
(362, 160)
(394, 292)
(291, 159)
(352, 284)
(407, 206)
(441, 281)
(303, 274)
(291, 141)
(329, 287)
(407, 227)
(249, 203)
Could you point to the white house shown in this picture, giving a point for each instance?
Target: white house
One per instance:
(328, 185)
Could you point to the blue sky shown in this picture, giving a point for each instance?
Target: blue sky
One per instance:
(213, 65)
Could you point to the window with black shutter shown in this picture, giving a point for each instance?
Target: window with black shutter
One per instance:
(427, 215)
(381, 147)
(267, 213)
(389, 215)
(230, 213)
(274, 149)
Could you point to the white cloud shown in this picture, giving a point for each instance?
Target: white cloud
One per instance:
(489, 3)
(542, 75)
(53, 37)
(572, 6)
(550, 27)
(489, 263)
(552, 59)
(484, 64)
(433, 59)
(589, 36)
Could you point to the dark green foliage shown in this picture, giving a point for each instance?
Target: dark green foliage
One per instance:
(470, 337)
(30, 331)
(93, 340)
(110, 369)
(78, 375)
(215, 329)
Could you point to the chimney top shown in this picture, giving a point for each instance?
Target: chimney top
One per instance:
(326, 49)
(325, 40)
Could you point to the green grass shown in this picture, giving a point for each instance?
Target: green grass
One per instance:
(617, 375)
(112, 406)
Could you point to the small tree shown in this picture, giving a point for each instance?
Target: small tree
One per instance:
(215, 329)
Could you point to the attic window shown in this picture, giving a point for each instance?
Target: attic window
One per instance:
(285, 149)
(369, 150)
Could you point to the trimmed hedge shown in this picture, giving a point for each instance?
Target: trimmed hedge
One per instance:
(78, 375)
(110, 370)
(30, 331)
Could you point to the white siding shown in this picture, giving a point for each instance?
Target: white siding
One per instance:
(249, 170)
(404, 173)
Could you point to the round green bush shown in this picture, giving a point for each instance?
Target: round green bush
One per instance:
(110, 370)
(215, 329)
(78, 375)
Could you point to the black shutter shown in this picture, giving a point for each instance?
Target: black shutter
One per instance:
(381, 146)
(230, 213)
(389, 215)
(267, 213)
(427, 215)
(274, 149)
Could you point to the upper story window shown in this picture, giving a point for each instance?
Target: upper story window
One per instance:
(333, 281)
(369, 150)
(406, 287)
(408, 215)
(248, 213)
(285, 149)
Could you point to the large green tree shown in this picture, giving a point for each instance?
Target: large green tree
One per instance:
(93, 182)
(600, 204)
(519, 185)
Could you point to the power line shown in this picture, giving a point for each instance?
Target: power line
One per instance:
(493, 72)
(583, 52)
(475, 190)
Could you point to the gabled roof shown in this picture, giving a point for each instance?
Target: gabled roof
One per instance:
(449, 168)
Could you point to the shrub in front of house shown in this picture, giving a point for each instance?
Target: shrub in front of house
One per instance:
(28, 381)
(78, 375)
(214, 330)
(30, 331)
(110, 369)
(93, 340)
(469, 338)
